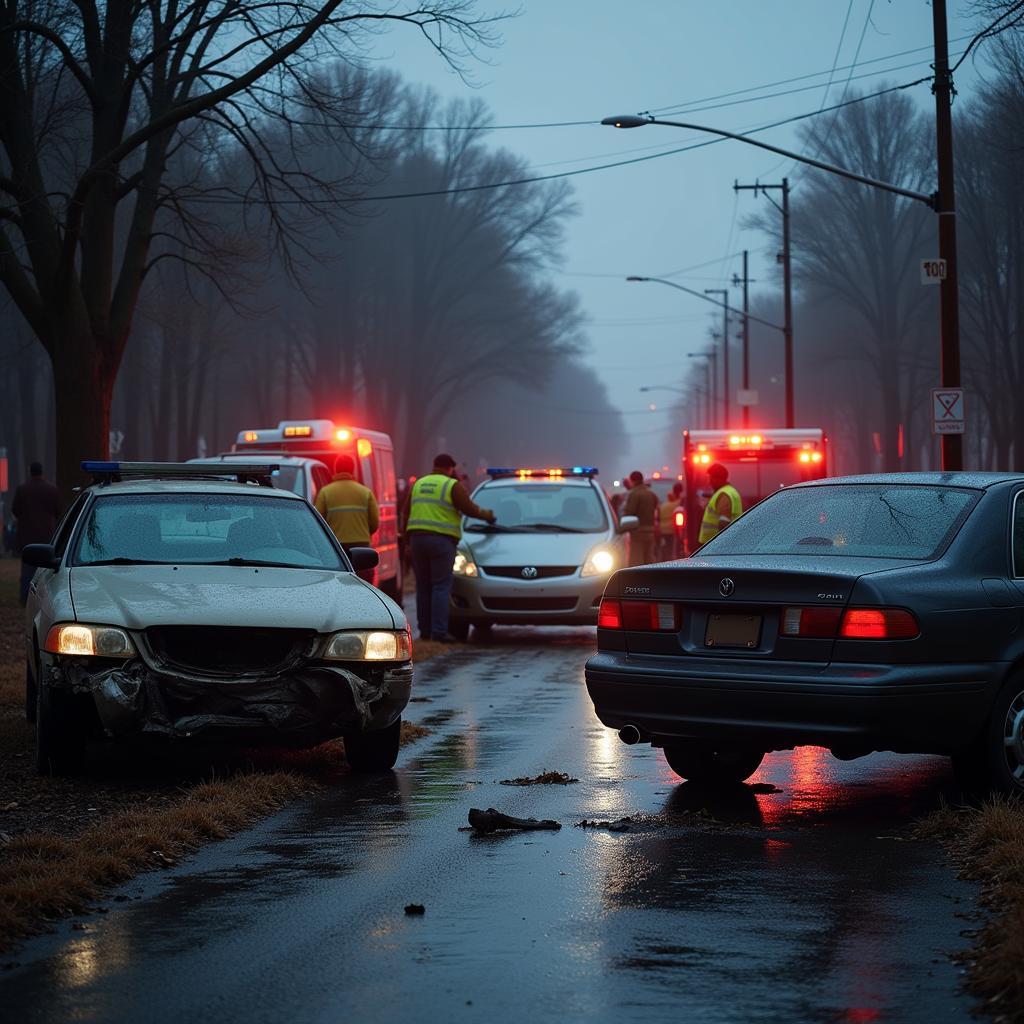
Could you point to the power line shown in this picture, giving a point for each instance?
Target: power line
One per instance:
(532, 179)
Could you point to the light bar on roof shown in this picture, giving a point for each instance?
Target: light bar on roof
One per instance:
(163, 470)
(541, 474)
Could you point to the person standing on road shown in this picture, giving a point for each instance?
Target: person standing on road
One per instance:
(349, 508)
(724, 505)
(667, 522)
(37, 508)
(436, 506)
(642, 502)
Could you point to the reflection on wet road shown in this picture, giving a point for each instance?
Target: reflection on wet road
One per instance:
(801, 905)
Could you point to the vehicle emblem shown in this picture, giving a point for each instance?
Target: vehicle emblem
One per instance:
(727, 588)
(529, 572)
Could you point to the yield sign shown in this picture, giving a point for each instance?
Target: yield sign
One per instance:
(948, 411)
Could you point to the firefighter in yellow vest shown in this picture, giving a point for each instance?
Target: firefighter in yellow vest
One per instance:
(436, 506)
(349, 508)
(724, 505)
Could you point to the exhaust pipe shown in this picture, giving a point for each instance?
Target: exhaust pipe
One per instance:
(629, 734)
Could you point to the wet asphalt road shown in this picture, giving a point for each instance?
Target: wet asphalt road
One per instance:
(803, 905)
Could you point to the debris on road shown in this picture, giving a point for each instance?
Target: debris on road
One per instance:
(619, 825)
(415, 909)
(494, 821)
(544, 779)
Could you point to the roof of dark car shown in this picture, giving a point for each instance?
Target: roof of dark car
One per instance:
(978, 481)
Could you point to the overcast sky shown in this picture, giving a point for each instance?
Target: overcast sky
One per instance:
(579, 60)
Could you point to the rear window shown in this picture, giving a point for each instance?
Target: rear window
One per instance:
(204, 529)
(863, 521)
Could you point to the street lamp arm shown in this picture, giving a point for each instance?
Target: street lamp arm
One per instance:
(635, 121)
(706, 298)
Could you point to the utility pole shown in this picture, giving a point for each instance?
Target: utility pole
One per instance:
(724, 292)
(949, 302)
(745, 281)
(787, 284)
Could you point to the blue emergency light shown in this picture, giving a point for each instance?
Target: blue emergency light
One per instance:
(547, 474)
(108, 472)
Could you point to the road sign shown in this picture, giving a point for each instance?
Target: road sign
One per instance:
(948, 411)
(933, 271)
(746, 396)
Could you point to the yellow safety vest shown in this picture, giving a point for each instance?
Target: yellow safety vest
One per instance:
(709, 524)
(431, 508)
(345, 504)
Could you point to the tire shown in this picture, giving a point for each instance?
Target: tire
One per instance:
(459, 629)
(483, 629)
(31, 697)
(1005, 739)
(373, 751)
(60, 735)
(713, 765)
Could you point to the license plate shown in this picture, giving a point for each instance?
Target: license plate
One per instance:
(733, 631)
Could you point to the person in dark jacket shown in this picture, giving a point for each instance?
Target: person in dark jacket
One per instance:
(37, 508)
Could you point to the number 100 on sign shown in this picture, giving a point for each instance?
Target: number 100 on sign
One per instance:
(933, 271)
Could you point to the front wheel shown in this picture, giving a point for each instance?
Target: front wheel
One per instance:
(459, 629)
(373, 751)
(31, 696)
(60, 732)
(701, 763)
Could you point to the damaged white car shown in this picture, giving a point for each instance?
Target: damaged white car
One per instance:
(197, 602)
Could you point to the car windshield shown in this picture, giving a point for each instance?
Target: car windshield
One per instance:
(541, 506)
(204, 529)
(873, 521)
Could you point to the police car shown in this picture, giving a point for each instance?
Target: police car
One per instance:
(186, 601)
(546, 558)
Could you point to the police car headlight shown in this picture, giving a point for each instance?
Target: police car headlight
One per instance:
(369, 645)
(599, 562)
(464, 564)
(77, 640)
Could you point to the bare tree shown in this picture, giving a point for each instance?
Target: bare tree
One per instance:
(96, 99)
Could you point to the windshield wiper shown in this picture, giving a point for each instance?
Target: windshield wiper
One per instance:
(554, 527)
(259, 563)
(126, 561)
(489, 528)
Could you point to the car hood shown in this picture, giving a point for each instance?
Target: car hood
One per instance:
(162, 595)
(532, 548)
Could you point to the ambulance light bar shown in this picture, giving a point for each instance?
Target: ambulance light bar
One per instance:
(549, 474)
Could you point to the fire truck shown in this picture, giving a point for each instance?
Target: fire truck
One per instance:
(374, 456)
(759, 462)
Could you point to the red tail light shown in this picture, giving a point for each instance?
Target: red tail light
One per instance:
(811, 622)
(647, 616)
(610, 614)
(878, 624)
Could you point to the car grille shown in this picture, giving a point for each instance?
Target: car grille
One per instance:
(529, 604)
(229, 649)
(544, 572)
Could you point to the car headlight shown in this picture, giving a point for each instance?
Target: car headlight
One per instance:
(82, 641)
(464, 564)
(599, 562)
(369, 645)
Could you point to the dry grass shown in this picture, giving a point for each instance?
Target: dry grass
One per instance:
(45, 876)
(988, 842)
(424, 650)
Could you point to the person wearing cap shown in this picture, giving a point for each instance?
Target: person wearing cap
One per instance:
(724, 505)
(436, 506)
(350, 509)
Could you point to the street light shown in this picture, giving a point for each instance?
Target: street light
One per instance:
(942, 202)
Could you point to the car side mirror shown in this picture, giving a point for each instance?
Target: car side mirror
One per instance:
(42, 556)
(363, 558)
(627, 524)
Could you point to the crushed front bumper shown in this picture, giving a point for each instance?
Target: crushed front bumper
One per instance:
(302, 706)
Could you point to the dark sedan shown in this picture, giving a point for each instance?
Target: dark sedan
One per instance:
(860, 613)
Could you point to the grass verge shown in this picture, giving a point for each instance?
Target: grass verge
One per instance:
(988, 844)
